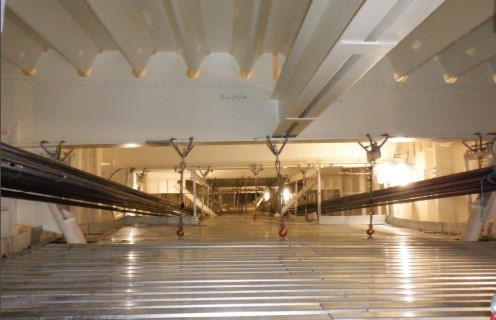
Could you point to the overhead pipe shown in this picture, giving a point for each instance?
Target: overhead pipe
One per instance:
(186, 22)
(250, 24)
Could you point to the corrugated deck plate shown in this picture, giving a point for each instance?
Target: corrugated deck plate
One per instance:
(234, 267)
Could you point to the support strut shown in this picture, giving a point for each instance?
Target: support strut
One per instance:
(373, 151)
(182, 167)
(283, 232)
(56, 155)
(256, 170)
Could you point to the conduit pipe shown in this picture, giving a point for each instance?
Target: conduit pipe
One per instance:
(458, 184)
(29, 176)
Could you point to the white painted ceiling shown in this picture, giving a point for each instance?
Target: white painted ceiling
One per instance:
(329, 66)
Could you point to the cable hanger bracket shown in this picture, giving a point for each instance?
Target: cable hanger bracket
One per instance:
(373, 151)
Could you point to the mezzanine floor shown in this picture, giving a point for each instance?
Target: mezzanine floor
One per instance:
(234, 267)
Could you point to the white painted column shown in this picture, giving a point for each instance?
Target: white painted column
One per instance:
(476, 220)
(68, 224)
(2, 4)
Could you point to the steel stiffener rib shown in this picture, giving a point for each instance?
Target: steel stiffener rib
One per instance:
(31, 177)
(459, 184)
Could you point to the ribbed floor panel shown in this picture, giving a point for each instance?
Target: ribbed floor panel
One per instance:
(233, 267)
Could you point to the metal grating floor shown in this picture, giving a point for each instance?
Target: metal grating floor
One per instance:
(233, 267)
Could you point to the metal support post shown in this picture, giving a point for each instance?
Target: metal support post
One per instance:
(204, 184)
(256, 169)
(485, 207)
(319, 194)
(57, 154)
(275, 151)
(183, 154)
(373, 151)
(194, 195)
(296, 198)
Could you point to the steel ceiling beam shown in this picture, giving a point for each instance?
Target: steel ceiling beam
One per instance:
(122, 23)
(26, 51)
(283, 26)
(66, 36)
(357, 35)
(442, 28)
(468, 52)
(186, 22)
(250, 24)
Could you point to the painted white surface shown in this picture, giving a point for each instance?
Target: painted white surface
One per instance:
(378, 219)
(35, 214)
(111, 107)
(8, 218)
(68, 224)
(422, 107)
(2, 8)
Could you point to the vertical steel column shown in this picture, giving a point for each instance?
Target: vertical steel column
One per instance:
(194, 195)
(481, 209)
(275, 151)
(319, 194)
(296, 198)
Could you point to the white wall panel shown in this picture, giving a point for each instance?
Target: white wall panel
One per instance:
(112, 108)
(422, 107)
